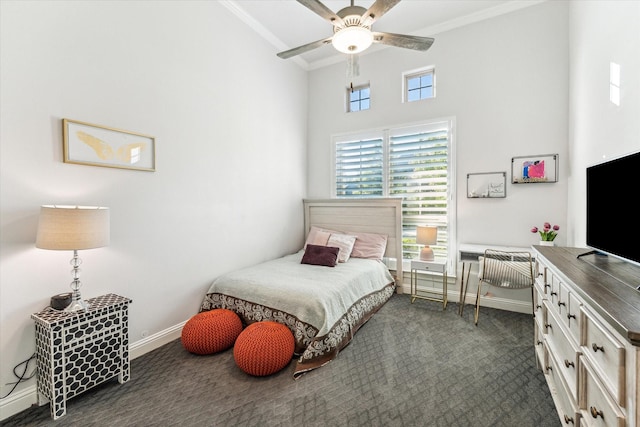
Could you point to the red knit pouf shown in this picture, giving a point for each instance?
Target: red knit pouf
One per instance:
(211, 331)
(263, 348)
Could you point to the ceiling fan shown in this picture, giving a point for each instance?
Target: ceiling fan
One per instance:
(352, 29)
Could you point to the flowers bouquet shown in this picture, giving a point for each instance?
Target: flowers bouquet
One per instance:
(548, 233)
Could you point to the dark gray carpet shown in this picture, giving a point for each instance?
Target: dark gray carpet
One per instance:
(410, 365)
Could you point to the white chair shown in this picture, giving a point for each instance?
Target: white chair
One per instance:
(505, 270)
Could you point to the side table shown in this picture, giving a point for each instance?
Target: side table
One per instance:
(78, 350)
(438, 268)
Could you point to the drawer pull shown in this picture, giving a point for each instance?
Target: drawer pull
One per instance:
(568, 363)
(538, 306)
(549, 368)
(560, 304)
(548, 326)
(539, 342)
(571, 316)
(595, 348)
(568, 419)
(554, 294)
(546, 285)
(595, 413)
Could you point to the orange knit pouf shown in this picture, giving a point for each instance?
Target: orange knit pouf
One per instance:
(211, 331)
(263, 348)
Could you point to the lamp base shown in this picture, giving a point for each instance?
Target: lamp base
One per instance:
(426, 254)
(77, 305)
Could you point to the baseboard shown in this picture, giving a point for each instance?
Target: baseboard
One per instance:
(154, 341)
(517, 306)
(28, 396)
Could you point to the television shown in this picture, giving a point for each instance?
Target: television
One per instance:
(613, 217)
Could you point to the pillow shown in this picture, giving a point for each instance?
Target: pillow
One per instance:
(343, 241)
(369, 245)
(320, 255)
(318, 236)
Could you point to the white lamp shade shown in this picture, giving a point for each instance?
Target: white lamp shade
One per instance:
(352, 39)
(426, 235)
(73, 227)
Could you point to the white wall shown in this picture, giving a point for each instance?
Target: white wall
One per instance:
(230, 122)
(601, 32)
(505, 81)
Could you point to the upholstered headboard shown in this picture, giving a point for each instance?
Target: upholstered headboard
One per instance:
(381, 216)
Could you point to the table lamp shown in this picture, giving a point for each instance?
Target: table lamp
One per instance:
(426, 236)
(73, 228)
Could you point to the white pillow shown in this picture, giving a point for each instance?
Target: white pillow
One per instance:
(343, 241)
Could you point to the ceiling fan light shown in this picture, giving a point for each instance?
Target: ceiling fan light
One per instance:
(352, 39)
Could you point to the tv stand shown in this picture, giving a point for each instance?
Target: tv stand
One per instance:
(589, 253)
(587, 335)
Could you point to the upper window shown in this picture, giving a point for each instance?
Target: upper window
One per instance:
(358, 98)
(419, 85)
(412, 162)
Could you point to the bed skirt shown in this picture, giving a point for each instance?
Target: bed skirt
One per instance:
(313, 351)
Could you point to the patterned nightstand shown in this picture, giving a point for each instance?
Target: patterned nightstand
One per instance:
(79, 350)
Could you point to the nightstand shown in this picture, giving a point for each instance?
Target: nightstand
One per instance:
(434, 269)
(78, 350)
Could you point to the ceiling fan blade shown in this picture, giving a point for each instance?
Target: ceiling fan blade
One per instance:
(401, 40)
(320, 9)
(304, 48)
(377, 9)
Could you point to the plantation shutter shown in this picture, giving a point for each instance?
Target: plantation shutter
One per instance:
(359, 168)
(418, 171)
(411, 162)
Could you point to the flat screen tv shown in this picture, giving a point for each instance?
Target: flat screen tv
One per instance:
(613, 216)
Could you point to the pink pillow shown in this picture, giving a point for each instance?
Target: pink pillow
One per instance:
(318, 236)
(320, 255)
(369, 245)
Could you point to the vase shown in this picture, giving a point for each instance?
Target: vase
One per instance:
(546, 243)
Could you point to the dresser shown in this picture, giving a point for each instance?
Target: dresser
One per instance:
(587, 335)
(78, 350)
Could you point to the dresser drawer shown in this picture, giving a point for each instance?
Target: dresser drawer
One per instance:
(606, 353)
(573, 317)
(565, 353)
(597, 407)
(566, 404)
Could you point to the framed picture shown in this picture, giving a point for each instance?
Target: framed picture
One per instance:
(88, 144)
(534, 169)
(487, 185)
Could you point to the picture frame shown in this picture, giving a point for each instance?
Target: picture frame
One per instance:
(95, 145)
(542, 168)
(490, 185)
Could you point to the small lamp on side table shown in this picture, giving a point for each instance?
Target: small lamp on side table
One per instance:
(73, 228)
(426, 236)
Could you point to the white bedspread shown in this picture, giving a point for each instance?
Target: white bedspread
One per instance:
(323, 306)
(317, 295)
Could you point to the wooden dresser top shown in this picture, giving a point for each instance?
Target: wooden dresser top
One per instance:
(607, 284)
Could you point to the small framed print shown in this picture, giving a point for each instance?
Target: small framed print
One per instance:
(534, 169)
(94, 145)
(486, 185)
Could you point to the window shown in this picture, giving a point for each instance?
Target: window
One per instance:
(413, 162)
(358, 98)
(419, 85)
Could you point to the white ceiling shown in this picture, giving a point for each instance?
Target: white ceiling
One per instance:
(288, 24)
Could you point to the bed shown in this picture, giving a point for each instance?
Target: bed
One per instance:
(323, 303)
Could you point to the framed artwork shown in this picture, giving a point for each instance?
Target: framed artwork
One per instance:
(487, 185)
(94, 145)
(534, 169)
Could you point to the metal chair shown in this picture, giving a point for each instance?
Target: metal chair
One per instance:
(505, 270)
